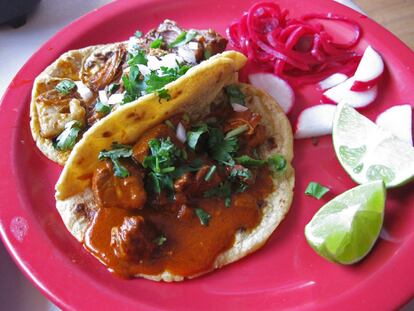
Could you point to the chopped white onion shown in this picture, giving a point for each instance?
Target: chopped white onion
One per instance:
(144, 70)
(103, 97)
(239, 108)
(84, 91)
(181, 134)
(132, 46)
(153, 62)
(187, 54)
(170, 60)
(193, 45)
(115, 99)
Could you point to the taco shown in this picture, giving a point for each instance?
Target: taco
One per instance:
(193, 186)
(83, 86)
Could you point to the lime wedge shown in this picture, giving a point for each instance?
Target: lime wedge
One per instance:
(368, 152)
(345, 229)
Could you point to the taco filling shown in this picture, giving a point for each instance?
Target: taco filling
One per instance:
(175, 199)
(115, 74)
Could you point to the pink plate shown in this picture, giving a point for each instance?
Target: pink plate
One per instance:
(285, 273)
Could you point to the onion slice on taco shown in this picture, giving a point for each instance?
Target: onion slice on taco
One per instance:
(84, 86)
(186, 188)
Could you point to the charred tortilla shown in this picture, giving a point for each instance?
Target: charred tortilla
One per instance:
(78, 206)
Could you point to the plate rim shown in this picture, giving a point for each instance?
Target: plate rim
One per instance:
(114, 8)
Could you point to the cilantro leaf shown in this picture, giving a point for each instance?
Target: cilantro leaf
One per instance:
(138, 59)
(183, 38)
(66, 86)
(67, 139)
(222, 191)
(161, 161)
(194, 136)
(222, 149)
(113, 87)
(316, 190)
(134, 84)
(102, 108)
(118, 151)
(203, 216)
(164, 94)
(193, 166)
(156, 43)
(235, 95)
(239, 176)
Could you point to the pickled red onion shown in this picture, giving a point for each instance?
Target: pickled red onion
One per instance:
(296, 50)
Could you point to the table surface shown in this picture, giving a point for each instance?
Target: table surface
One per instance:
(17, 45)
(395, 15)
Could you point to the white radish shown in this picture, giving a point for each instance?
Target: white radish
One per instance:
(276, 87)
(315, 121)
(342, 93)
(397, 120)
(332, 81)
(369, 70)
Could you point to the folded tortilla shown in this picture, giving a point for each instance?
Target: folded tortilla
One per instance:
(192, 94)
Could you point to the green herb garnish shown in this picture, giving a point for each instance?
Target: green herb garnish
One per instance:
(210, 173)
(203, 216)
(161, 162)
(160, 240)
(183, 38)
(156, 43)
(235, 95)
(65, 86)
(118, 151)
(112, 88)
(102, 108)
(169, 124)
(237, 131)
(138, 59)
(277, 163)
(194, 135)
(163, 94)
(316, 190)
(222, 191)
(67, 139)
(222, 149)
(249, 161)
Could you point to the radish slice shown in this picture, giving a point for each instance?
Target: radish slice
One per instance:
(332, 81)
(369, 70)
(276, 87)
(397, 120)
(342, 92)
(315, 121)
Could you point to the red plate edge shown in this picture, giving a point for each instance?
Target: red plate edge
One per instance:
(11, 197)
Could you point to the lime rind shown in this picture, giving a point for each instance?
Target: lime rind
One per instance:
(368, 152)
(345, 229)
